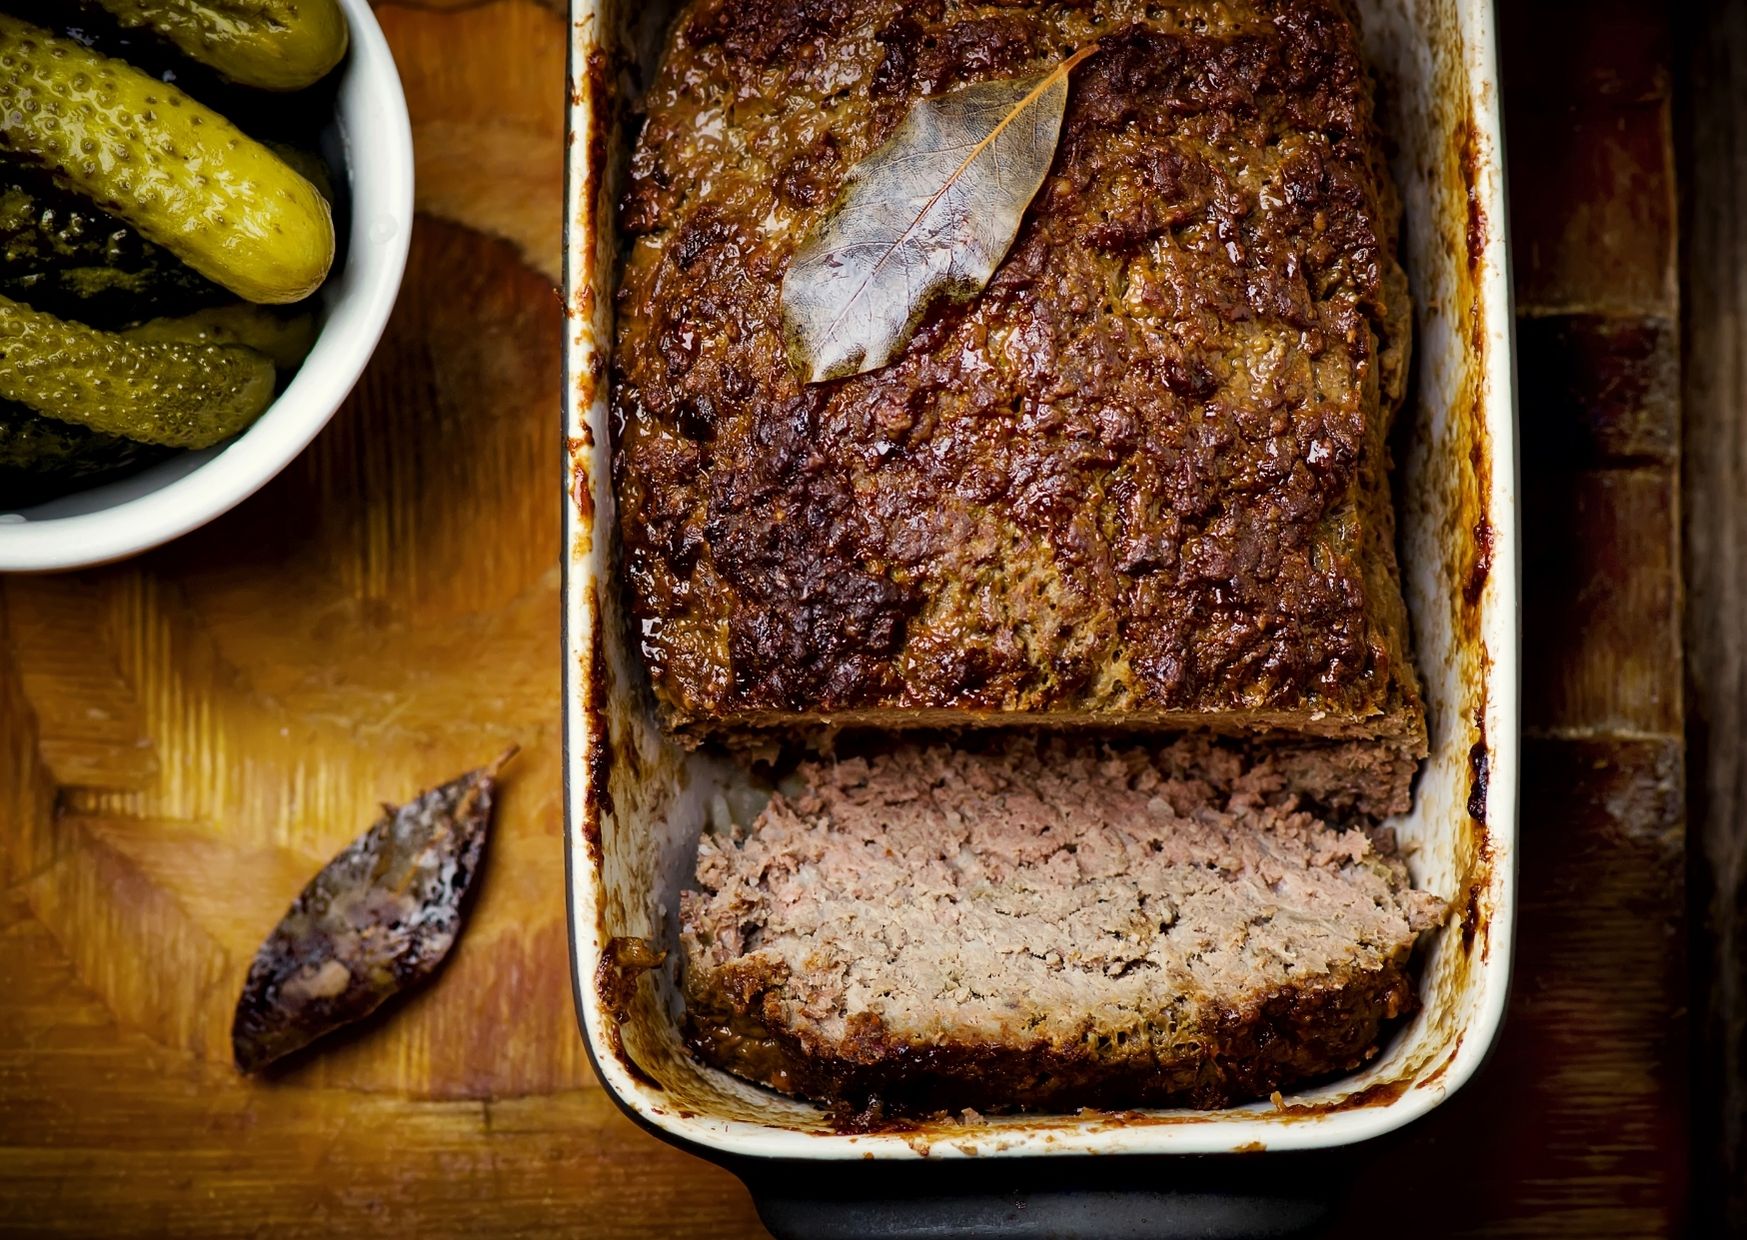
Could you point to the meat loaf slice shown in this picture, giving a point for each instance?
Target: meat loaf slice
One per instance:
(1142, 479)
(1045, 926)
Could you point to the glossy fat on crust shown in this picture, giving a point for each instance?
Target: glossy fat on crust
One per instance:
(1046, 925)
(1141, 479)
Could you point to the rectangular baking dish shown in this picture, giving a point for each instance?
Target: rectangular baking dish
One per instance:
(636, 803)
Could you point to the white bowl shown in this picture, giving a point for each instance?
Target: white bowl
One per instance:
(166, 500)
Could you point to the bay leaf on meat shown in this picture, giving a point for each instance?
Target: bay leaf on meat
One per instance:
(376, 920)
(929, 214)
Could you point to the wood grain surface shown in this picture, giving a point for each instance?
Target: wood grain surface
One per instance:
(1715, 267)
(183, 738)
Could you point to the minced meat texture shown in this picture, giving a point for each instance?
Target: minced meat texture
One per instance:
(1046, 925)
(1142, 479)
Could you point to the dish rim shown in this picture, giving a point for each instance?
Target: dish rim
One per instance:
(1045, 1135)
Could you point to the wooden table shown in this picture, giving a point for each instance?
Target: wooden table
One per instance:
(184, 737)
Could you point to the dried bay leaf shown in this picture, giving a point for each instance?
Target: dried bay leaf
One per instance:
(376, 920)
(929, 214)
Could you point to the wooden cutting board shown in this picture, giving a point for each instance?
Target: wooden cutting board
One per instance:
(185, 737)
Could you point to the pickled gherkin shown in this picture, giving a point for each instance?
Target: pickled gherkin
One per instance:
(114, 297)
(62, 255)
(308, 165)
(30, 441)
(180, 173)
(176, 395)
(41, 458)
(40, 236)
(43, 228)
(272, 44)
(285, 339)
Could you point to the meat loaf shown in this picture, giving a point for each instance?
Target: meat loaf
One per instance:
(1142, 479)
(1045, 925)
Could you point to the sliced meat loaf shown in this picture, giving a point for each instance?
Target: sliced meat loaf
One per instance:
(1140, 480)
(1045, 925)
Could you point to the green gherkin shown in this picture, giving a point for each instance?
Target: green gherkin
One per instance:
(31, 441)
(62, 255)
(41, 458)
(113, 297)
(39, 236)
(272, 44)
(177, 395)
(180, 173)
(308, 165)
(285, 339)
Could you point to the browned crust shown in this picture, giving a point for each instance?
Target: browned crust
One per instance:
(1130, 517)
(1282, 1040)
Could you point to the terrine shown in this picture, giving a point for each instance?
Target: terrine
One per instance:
(1045, 926)
(1141, 480)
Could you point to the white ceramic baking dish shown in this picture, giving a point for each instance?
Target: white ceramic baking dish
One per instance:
(636, 803)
